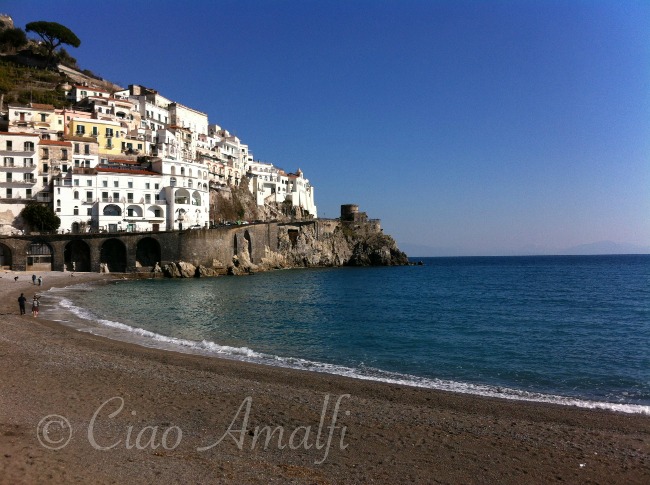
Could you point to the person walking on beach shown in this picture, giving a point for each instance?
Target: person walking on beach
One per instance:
(21, 303)
(33, 279)
(40, 280)
(35, 306)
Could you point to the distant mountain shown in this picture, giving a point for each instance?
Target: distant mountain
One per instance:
(607, 247)
(601, 247)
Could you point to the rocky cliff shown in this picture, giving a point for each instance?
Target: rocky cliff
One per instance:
(344, 246)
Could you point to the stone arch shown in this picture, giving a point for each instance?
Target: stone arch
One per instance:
(39, 256)
(76, 256)
(113, 254)
(196, 198)
(5, 256)
(147, 252)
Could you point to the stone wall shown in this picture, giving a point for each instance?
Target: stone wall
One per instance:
(258, 246)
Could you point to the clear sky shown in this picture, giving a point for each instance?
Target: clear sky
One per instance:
(468, 127)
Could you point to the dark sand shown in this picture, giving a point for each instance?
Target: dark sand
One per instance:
(393, 434)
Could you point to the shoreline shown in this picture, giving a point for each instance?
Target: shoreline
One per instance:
(394, 433)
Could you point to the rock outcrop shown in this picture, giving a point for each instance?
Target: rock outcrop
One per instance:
(343, 244)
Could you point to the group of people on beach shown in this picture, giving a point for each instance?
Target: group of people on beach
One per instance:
(39, 279)
(35, 304)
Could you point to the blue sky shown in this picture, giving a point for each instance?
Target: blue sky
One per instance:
(468, 127)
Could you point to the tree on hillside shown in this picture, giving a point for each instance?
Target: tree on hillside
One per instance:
(53, 35)
(12, 39)
(40, 217)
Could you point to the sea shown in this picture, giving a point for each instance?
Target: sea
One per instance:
(572, 330)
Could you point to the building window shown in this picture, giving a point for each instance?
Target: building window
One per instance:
(89, 183)
(130, 212)
(46, 153)
(87, 150)
(116, 183)
(130, 184)
(109, 132)
(64, 167)
(76, 182)
(89, 196)
(147, 185)
(43, 117)
(10, 193)
(89, 212)
(29, 146)
(104, 183)
(75, 211)
(147, 198)
(9, 145)
(156, 186)
(81, 130)
(129, 197)
(28, 162)
(28, 193)
(105, 197)
(64, 154)
(76, 194)
(116, 196)
(95, 132)
(76, 148)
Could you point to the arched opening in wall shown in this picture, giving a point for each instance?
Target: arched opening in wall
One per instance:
(39, 256)
(235, 250)
(113, 255)
(76, 256)
(112, 210)
(247, 238)
(182, 196)
(196, 198)
(76, 229)
(147, 252)
(5, 257)
(293, 237)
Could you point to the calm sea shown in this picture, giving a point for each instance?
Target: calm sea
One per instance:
(571, 329)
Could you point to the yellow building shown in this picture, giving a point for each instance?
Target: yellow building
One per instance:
(109, 134)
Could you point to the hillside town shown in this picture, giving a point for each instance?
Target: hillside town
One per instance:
(131, 160)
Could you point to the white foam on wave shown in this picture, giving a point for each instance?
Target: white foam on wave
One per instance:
(147, 338)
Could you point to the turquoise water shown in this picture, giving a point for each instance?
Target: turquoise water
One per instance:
(573, 330)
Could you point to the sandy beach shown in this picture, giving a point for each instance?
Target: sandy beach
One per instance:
(76, 408)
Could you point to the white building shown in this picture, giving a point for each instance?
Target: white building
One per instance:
(19, 182)
(271, 184)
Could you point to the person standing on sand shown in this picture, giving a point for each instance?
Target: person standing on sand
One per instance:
(33, 279)
(40, 280)
(21, 303)
(35, 306)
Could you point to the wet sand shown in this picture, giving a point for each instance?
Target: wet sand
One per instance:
(140, 415)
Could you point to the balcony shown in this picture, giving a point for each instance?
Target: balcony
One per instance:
(17, 183)
(83, 170)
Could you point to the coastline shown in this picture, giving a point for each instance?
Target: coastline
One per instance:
(392, 433)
